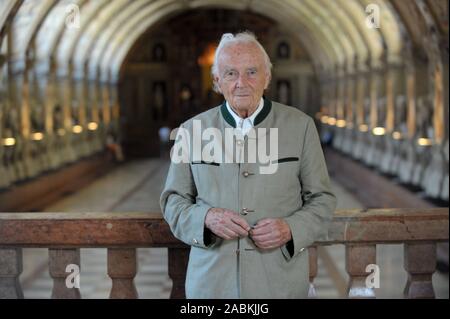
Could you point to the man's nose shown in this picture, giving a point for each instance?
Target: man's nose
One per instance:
(241, 80)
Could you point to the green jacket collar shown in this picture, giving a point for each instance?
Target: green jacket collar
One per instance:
(259, 118)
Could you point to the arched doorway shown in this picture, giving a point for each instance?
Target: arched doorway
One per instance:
(166, 75)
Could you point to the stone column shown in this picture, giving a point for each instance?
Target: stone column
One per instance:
(312, 271)
(357, 258)
(178, 260)
(420, 263)
(10, 270)
(122, 268)
(64, 268)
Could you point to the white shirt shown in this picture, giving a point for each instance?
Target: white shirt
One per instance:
(244, 125)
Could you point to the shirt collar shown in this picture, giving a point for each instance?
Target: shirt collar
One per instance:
(237, 118)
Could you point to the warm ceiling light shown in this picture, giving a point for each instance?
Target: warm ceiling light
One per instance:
(363, 128)
(340, 123)
(9, 141)
(424, 141)
(396, 135)
(324, 119)
(331, 121)
(92, 126)
(207, 58)
(378, 131)
(77, 129)
(38, 136)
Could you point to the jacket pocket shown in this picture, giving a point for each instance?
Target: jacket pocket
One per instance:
(286, 159)
(206, 163)
(207, 180)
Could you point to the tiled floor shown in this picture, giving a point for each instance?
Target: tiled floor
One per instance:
(136, 186)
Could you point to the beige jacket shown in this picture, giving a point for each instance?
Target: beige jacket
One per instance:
(299, 192)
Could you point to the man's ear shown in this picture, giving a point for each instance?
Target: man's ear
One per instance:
(268, 78)
(216, 84)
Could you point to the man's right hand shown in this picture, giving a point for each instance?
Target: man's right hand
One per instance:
(226, 224)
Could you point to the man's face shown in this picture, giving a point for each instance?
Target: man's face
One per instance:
(242, 76)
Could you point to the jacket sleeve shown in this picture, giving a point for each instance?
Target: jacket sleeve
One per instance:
(185, 216)
(312, 221)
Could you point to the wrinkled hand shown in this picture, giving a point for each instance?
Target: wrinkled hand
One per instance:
(226, 223)
(271, 233)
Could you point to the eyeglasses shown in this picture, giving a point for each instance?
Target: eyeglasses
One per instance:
(233, 75)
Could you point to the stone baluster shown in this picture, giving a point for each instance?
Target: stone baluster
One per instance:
(357, 258)
(64, 268)
(10, 269)
(122, 268)
(178, 260)
(312, 271)
(420, 263)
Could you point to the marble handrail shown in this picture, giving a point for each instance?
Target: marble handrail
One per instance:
(65, 233)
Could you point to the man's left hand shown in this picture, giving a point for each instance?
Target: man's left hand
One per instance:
(271, 233)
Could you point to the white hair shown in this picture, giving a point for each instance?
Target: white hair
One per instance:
(241, 37)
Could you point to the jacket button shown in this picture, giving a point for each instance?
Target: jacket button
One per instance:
(195, 241)
(245, 174)
(239, 142)
(245, 211)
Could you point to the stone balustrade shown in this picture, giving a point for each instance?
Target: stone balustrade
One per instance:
(121, 233)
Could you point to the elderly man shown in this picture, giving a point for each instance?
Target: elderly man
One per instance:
(249, 229)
